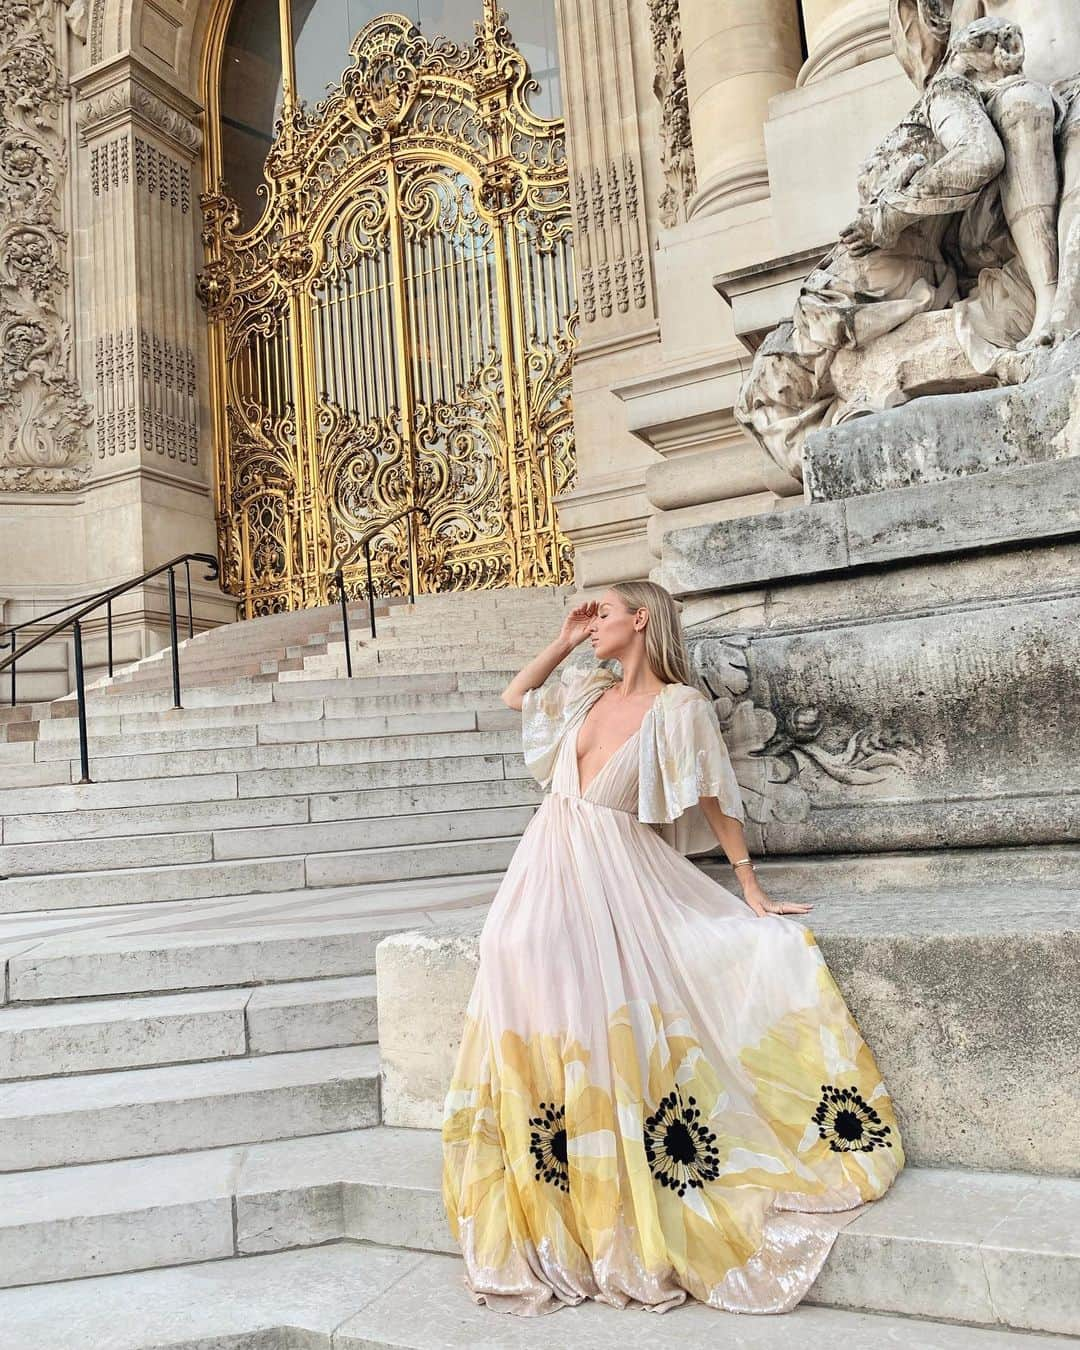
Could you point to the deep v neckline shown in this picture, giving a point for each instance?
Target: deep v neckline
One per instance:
(614, 754)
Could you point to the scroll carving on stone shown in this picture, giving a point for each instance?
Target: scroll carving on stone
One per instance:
(669, 86)
(961, 269)
(773, 748)
(43, 419)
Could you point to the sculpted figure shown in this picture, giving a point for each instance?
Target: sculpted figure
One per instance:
(965, 208)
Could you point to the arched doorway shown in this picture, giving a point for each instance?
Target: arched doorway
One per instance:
(391, 321)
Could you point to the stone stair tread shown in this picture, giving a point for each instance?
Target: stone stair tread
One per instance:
(247, 875)
(47, 1039)
(259, 939)
(364, 1297)
(128, 1113)
(113, 822)
(120, 853)
(167, 1083)
(377, 1156)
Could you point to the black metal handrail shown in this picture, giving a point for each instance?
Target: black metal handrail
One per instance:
(106, 597)
(405, 514)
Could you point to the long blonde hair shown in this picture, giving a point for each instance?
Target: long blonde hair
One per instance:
(665, 646)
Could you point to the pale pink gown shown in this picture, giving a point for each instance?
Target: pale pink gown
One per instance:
(657, 1094)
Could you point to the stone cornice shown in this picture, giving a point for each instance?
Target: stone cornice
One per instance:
(109, 95)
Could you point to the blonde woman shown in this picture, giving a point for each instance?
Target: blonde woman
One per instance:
(660, 1092)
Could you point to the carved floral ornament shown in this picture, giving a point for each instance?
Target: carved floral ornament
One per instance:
(776, 752)
(669, 86)
(43, 418)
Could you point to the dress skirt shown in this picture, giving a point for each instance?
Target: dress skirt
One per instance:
(658, 1095)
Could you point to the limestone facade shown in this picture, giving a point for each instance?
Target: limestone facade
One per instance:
(694, 135)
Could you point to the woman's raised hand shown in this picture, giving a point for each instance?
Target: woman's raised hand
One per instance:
(575, 627)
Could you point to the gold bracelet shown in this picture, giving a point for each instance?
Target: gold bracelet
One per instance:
(744, 862)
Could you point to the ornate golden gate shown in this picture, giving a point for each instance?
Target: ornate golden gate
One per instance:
(397, 330)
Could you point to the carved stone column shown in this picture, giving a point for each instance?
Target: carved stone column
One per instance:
(141, 148)
(738, 55)
(841, 34)
(615, 197)
(43, 419)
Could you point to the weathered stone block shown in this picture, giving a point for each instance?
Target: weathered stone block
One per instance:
(951, 435)
(424, 982)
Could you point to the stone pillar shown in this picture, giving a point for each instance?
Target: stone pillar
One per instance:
(141, 153)
(141, 335)
(737, 55)
(616, 200)
(841, 34)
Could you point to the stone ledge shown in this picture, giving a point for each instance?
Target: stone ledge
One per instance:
(1009, 507)
(973, 1027)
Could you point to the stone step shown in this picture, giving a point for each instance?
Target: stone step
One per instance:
(122, 852)
(218, 943)
(257, 812)
(138, 885)
(136, 1112)
(428, 848)
(237, 735)
(48, 1040)
(69, 796)
(389, 773)
(359, 1296)
(111, 768)
(261, 782)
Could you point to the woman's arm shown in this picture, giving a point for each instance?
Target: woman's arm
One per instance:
(732, 837)
(575, 630)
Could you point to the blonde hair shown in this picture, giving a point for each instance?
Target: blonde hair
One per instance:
(665, 646)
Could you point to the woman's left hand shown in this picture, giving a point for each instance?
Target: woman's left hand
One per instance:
(761, 905)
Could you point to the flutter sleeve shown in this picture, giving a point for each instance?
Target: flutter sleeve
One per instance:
(546, 712)
(684, 758)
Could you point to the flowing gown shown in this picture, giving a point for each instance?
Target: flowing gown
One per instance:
(658, 1095)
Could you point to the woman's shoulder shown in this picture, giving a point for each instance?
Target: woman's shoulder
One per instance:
(681, 695)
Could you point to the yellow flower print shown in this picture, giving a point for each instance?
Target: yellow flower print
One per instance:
(817, 1084)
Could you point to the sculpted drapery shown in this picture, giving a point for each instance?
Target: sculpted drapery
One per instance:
(961, 264)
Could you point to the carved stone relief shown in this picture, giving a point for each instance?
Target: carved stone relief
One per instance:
(775, 751)
(43, 419)
(611, 266)
(669, 86)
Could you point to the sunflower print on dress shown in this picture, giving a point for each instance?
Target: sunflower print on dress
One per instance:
(681, 1151)
(847, 1123)
(547, 1144)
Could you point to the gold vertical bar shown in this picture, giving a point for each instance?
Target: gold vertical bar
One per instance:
(446, 345)
(402, 331)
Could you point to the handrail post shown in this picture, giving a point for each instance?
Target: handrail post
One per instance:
(345, 620)
(190, 619)
(14, 663)
(108, 617)
(80, 692)
(175, 640)
(370, 587)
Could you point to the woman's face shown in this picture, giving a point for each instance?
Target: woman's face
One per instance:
(615, 627)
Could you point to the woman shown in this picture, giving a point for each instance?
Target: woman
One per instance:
(660, 1092)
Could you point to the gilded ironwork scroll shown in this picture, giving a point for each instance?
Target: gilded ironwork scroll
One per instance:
(397, 330)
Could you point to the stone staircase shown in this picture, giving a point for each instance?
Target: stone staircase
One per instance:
(192, 1147)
